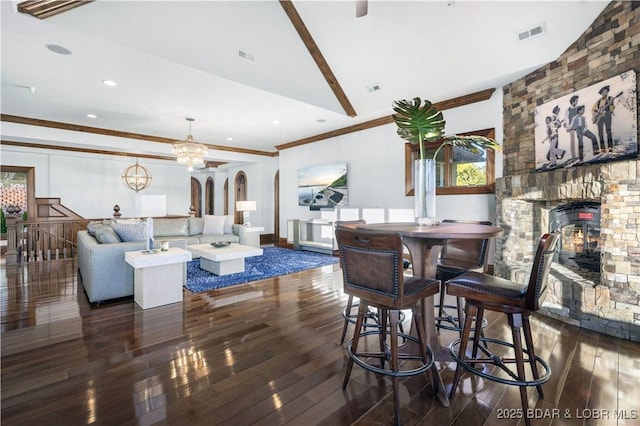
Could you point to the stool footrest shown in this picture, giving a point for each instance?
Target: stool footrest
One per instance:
(358, 358)
(469, 363)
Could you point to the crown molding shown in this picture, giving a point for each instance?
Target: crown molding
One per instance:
(100, 151)
(117, 133)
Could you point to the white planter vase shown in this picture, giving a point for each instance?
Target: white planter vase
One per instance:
(424, 186)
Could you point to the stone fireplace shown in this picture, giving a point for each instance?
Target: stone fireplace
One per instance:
(607, 299)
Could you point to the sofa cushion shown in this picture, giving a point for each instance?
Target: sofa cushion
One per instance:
(228, 224)
(176, 227)
(213, 224)
(131, 232)
(106, 235)
(196, 225)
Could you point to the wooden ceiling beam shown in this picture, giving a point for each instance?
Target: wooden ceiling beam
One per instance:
(43, 9)
(317, 56)
(482, 95)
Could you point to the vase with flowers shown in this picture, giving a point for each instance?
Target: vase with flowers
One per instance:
(421, 123)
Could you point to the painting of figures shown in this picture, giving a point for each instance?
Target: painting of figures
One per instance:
(592, 125)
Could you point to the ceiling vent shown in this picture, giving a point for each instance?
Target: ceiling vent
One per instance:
(245, 55)
(373, 88)
(536, 31)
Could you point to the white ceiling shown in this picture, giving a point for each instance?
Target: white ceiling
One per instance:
(177, 59)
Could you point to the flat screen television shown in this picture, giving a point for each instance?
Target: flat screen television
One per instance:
(323, 186)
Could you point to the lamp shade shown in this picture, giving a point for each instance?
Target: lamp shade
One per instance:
(246, 206)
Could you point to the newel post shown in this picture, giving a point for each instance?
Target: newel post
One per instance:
(12, 239)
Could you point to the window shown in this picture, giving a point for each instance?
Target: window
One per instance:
(459, 171)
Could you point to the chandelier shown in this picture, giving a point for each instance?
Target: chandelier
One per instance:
(136, 177)
(190, 151)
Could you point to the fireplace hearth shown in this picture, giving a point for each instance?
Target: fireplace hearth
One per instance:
(595, 281)
(579, 227)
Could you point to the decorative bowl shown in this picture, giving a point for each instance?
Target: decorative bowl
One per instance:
(220, 244)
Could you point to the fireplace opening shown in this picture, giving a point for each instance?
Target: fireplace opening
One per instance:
(579, 227)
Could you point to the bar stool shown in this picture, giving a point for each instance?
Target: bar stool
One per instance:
(349, 317)
(517, 301)
(372, 268)
(456, 258)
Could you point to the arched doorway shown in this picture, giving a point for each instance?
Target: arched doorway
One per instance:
(240, 193)
(209, 196)
(196, 198)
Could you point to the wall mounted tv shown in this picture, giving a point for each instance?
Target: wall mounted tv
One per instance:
(323, 186)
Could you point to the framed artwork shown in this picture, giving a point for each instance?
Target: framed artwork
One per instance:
(593, 125)
(323, 186)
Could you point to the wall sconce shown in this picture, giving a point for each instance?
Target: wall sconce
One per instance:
(245, 207)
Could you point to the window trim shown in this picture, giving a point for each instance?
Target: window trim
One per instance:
(411, 154)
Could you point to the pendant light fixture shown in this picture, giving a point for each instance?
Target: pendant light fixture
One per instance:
(190, 151)
(136, 177)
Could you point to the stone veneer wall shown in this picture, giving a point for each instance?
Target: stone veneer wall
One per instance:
(609, 47)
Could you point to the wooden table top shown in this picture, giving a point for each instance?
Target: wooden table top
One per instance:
(441, 231)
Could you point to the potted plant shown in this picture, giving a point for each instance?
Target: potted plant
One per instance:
(421, 123)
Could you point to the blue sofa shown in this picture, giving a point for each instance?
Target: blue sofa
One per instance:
(105, 275)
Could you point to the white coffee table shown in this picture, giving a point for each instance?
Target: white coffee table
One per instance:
(223, 260)
(158, 277)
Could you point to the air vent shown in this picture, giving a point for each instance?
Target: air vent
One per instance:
(536, 31)
(373, 88)
(245, 55)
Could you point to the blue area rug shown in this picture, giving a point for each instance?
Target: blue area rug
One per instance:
(274, 261)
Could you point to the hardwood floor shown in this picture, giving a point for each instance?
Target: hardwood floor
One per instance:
(264, 353)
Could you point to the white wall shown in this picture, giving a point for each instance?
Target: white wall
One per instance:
(375, 167)
(91, 185)
(260, 179)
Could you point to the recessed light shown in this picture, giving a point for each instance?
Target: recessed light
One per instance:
(58, 49)
(229, 138)
(92, 116)
(275, 122)
(109, 83)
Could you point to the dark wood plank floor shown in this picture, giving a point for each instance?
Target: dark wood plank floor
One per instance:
(264, 353)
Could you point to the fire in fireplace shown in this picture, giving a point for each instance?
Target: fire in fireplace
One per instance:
(579, 227)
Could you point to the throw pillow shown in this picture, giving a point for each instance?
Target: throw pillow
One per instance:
(196, 225)
(228, 224)
(106, 235)
(213, 224)
(92, 227)
(131, 232)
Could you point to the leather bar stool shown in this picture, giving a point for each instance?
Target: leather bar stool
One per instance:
(372, 268)
(485, 292)
(456, 258)
(348, 315)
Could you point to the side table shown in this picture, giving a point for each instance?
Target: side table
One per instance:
(159, 276)
(252, 235)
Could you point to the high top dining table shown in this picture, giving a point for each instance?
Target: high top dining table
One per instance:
(424, 244)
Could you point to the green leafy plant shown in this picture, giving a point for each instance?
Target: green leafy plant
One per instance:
(421, 123)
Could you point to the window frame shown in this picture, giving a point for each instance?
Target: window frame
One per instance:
(411, 154)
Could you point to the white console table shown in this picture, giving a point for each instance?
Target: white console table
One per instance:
(313, 235)
(158, 277)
